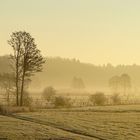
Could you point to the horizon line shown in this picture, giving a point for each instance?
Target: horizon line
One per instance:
(89, 63)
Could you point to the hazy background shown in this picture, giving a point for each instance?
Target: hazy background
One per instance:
(59, 73)
(94, 31)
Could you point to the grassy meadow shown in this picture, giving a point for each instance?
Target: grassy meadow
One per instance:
(96, 123)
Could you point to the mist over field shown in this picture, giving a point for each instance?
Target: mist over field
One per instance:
(59, 73)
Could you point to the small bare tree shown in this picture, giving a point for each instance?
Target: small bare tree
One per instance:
(27, 60)
(125, 83)
(77, 83)
(114, 84)
(7, 83)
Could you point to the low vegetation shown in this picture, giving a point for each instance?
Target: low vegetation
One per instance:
(98, 98)
(62, 102)
(6, 110)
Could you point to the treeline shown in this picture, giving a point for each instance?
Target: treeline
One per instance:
(59, 72)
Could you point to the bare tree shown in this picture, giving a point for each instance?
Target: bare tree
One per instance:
(125, 83)
(120, 84)
(15, 43)
(27, 60)
(77, 83)
(7, 83)
(114, 84)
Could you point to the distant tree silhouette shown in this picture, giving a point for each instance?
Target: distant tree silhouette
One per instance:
(120, 84)
(125, 82)
(114, 84)
(27, 60)
(7, 83)
(77, 83)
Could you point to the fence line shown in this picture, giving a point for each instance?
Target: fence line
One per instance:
(79, 100)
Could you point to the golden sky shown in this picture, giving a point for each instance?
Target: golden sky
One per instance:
(94, 31)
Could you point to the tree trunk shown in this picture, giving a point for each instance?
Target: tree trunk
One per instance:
(22, 88)
(17, 85)
(8, 98)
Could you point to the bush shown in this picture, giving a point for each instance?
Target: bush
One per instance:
(98, 98)
(116, 99)
(5, 110)
(18, 109)
(62, 102)
(49, 93)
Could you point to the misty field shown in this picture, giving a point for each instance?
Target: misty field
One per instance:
(74, 124)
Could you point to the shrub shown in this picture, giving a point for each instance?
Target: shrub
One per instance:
(62, 102)
(48, 93)
(116, 98)
(5, 110)
(98, 98)
(18, 109)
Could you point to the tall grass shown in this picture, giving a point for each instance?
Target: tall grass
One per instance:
(5, 110)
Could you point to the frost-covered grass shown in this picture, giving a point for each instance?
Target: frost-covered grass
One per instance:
(14, 129)
(112, 123)
(107, 122)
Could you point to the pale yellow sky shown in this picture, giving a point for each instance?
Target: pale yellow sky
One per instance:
(94, 31)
